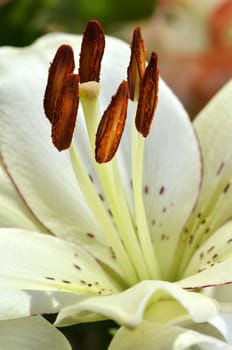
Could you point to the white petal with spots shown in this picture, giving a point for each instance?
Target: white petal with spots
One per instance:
(40, 262)
(214, 250)
(214, 127)
(172, 174)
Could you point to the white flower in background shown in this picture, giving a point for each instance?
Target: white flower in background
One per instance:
(134, 236)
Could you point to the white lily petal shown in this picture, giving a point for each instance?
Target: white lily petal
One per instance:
(31, 333)
(150, 336)
(213, 251)
(222, 293)
(214, 127)
(128, 308)
(224, 324)
(214, 275)
(14, 212)
(35, 261)
(172, 176)
(21, 303)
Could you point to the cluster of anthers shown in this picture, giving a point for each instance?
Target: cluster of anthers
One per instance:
(64, 90)
(127, 235)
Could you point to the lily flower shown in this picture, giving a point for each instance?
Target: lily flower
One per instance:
(125, 214)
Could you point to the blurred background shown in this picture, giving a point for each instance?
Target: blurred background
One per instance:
(193, 39)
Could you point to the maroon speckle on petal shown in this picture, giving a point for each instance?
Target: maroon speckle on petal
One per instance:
(226, 188)
(210, 249)
(90, 235)
(77, 267)
(219, 170)
(91, 178)
(146, 189)
(190, 239)
(112, 253)
(162, 189)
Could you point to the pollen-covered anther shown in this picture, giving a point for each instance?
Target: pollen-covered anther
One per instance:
(65, 114)
(92, 49)
(112, 125)
(137, 63)
(148, 97)
(63, 64)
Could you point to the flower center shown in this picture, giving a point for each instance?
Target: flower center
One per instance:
(124, 226)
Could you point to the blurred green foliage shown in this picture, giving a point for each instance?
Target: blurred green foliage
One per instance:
(21, 21)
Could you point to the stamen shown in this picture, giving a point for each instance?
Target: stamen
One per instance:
(92, 49)
(110, 179)
(112, 125)
(63, 64)
(137, 64)
(89, 98)
(65, 114)
(103, 219)
(148, 97)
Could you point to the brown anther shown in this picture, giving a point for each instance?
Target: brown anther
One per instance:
(65, 114)
(148, 97)
(137, 63)
(112, 125)
(92, 49)
(63, 64)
